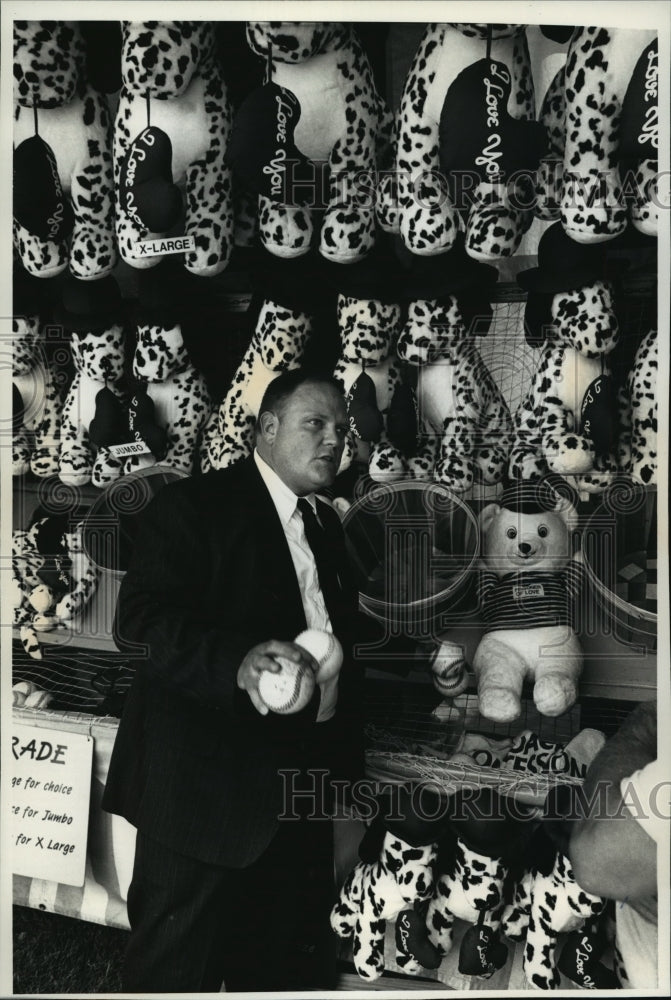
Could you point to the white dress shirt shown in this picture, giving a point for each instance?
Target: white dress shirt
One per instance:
(314, 606)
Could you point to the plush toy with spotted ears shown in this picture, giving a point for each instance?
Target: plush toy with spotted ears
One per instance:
(169, 403)
(464, 423)
(52, 576)
(548, 902)
(610, 157)
(638, 440)
(170, 136)
(63, 185)
(483, 836)
(569, 419)
(318, 116)
(392, 881)
(465, 136)
(380, 403)
(93, 313)
(37, 402)
(286, 292)
(377, 892)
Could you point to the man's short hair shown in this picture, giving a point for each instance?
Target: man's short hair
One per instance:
(285, 385)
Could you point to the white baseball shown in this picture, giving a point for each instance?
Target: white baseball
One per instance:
(38, 699)
(21, 690)
(326, 650)
(449, 670)
(290, 689)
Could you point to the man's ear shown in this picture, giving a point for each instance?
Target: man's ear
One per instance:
(268, 423)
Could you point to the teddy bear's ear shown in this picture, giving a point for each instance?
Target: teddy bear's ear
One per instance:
(487, 515)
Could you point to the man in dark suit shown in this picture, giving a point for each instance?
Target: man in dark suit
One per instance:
(221, 581)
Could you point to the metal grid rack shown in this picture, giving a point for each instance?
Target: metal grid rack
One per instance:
(412, 735)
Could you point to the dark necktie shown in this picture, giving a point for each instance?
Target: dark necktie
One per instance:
(324, 558)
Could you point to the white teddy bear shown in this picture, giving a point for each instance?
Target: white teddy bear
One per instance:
(527, 588)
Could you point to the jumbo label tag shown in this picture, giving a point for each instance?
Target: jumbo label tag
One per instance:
(598, 414)
(132, 448)
(528, 590)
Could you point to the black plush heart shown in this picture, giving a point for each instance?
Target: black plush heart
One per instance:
(147, 190)
(639, 121)
(56, 569)
(262, 151)
(40, 205)
(579, 961)
(481, 952)
(412, 940)
(402, 420)
(476, 133)
(537, 317)
(143, 425)
(108, 426)
(18, 410)
(364, 416)
(559, 33)
(599, 414)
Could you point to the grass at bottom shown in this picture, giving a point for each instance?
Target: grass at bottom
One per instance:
(56, 954)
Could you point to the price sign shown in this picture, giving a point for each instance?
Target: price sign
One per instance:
(51, 788)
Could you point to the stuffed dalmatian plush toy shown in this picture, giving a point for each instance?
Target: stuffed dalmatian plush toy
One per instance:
(548, 45)
(327, 111)
(63, 185)
(569, 419)
(548, 903)
(93, 313)
(377, 892)
(610, 156)
(465, 424)
(53, 578)
(169, 403)
(466, 110)
(393, 881)
(36, 391)
(482, 837)
(283, 328)
(638, 440)
(381, 405)
(170, 136)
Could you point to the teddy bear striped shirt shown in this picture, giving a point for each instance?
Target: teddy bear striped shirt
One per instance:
(530, 600)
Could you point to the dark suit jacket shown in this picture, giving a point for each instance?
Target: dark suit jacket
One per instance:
(194, 764)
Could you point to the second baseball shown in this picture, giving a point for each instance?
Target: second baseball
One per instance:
(326, 650)
(290, 689)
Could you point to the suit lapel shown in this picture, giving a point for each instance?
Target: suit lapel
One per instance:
(274, 548)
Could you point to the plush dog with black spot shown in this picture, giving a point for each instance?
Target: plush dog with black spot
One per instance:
(467, 111)
(284, 325)
(465, 425)
(92, 312)
(169, 403)
(170, 136)
(380, 404)
(36, 391)
(482, 838)
(610, 156)
(325, 77)
(568, 421)
(547, 903)
(53, 578)
(638, 440)
(63, 184)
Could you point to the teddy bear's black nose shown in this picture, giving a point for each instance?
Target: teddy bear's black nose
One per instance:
(524, 548)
